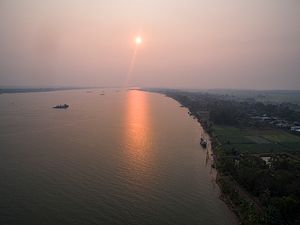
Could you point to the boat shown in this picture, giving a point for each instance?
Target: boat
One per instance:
(64, 106)
(203, 143)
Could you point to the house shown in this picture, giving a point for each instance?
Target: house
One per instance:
(295, 128)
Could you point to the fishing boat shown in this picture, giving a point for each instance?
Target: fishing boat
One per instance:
(64, 106)
(203, 143)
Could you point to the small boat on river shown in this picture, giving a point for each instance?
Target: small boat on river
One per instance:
(203, 143)
(64, 106)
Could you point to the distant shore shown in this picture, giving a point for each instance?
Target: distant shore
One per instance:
(28, 90)
(8, 90)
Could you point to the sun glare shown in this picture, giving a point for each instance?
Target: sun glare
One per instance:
(138, 40)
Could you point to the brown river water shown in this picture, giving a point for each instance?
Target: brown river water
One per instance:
(125, 157)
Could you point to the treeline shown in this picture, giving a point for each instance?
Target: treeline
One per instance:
(275, 185)
(225, 111)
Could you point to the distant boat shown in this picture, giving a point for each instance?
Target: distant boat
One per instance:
(203, 143)
(64, 106)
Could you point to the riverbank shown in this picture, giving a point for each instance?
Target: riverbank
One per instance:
(258, 163)
(238, 214)
(216, 176)
(211, 153)
(244, 208)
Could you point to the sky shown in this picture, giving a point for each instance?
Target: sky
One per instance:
(249, 44)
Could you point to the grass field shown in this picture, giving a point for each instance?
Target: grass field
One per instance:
(253, 140)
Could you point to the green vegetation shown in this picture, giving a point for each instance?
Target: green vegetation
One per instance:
(255, 140)
(247, 211)
(272, 190)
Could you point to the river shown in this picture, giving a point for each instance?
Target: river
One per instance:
(112, 157)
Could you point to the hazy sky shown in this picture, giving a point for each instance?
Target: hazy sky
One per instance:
(186, 43)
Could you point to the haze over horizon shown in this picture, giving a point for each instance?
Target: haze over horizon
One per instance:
(247, 44)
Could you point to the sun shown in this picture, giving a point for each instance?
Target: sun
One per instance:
(138, 40)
